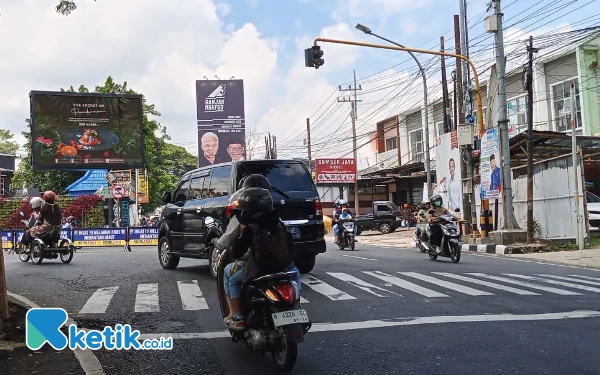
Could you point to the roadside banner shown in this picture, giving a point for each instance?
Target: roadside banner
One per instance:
(143, 236)
(100, 237)
(7, 240)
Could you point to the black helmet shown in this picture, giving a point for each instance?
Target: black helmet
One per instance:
(255, 180)
(437, 201)
(252, 200)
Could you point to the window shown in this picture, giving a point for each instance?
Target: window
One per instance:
(220, 182)
(561, 110)
(382, 208)
(283, 176)
(517, 114)
(416, 145)
(592, 198)
(196, 188)
(440, 128)
(182, 192)
(391, 144)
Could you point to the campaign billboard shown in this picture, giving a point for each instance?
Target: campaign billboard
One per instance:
(448, 171)
(86, 131)
(221, 121)
(335, 171)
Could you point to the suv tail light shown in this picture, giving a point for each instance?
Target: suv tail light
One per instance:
(318, 208)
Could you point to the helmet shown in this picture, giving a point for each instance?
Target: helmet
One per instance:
(342, 202)
(250, 203)
(437, 200)
(36, 202)
(255, 180)
(49, 197)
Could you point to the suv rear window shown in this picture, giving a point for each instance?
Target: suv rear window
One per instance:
(284, 176)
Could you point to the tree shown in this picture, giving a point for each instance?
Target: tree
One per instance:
(252, 139)
(66, 7)
(7, 145)
(165, 162)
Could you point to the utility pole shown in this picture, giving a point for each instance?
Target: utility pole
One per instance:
(464, 45)
(308, 141)
(445, 100)
(354, 115)
(466, 167)
(575, 164)
(529, 86)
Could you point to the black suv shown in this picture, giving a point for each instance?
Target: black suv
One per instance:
(205, 192)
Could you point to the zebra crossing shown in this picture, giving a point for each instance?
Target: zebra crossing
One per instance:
(340, 286)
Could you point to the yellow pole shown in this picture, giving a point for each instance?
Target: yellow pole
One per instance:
(424, 51)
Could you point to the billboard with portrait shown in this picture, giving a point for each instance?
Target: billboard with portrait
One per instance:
(448, 171)
(221, 121)
(86, 131)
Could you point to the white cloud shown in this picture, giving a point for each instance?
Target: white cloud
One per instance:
(223, 8)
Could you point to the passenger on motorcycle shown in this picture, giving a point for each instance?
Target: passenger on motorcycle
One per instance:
(337, 227)
(36, 203)
(422, 218)
(435, 211)
(258, 240)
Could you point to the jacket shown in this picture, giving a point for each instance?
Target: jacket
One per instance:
(438, 211)
(264, 245)
(337, 214)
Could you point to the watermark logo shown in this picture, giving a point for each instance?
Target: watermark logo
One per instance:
(44, 325)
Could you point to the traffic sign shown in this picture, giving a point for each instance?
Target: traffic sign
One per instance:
(117, 191)
(120, 177)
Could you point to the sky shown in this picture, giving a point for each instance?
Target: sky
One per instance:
(160, 48)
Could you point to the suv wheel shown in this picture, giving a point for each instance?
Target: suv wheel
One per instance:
(306, 262)
(167, 261)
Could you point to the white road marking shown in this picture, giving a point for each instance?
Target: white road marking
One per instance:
(505, 257)
(357, 257)
(405, 284)
(191, 295)
(489, 284)
(99, 301)
(363, 285)
(146, 299)
(447, 284)
(370, 324)
(571, 279)
(561, 283)
(586, 277)
(526, 284)
(303, 300)
(325, 289)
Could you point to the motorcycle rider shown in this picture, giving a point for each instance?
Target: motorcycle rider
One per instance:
(422, 218)
(258, 240)
(435, 211)
(337, 227)
(36, 203)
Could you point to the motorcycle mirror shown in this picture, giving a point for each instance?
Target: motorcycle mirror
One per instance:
(457, 210)
(209, 221)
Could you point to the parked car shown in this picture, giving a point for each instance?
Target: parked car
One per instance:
(384, 217)
(205, 192)
(593, 209)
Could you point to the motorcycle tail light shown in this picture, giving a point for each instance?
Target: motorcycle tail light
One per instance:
(230, 208)
(271, 295)
(286, 290)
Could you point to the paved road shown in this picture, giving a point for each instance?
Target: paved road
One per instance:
(375, 310)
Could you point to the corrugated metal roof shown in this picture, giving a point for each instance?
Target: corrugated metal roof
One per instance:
(91, 181)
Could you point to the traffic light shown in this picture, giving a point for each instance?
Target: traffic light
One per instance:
(313, 57)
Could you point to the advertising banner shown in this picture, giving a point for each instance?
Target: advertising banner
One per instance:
(7, 240)
(335, 171)
(491, 176)
(221, 121)
(143, 236)
(448, 171)
(65, 233)
(86, 131)
(100, 237)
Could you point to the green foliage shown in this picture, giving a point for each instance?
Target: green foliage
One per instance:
(536, 226)
(66, 7)
(165, 162)
(7, 145)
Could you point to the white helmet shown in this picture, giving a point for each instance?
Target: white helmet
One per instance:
(36, 202)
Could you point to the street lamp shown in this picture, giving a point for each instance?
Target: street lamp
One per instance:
(368, 31)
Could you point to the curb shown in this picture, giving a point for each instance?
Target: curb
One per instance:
(488, 249)
(88, 361)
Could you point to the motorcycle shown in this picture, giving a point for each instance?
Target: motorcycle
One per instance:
(275, 320)
(450, 246)
(348, 236)
(50, 246)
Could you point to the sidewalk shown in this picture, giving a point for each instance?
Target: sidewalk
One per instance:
(402, 238)
(582, 258)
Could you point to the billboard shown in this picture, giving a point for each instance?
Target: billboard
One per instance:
(491, 176)
(448, 171)
(86, 131)
(221, 121)
(335, 171)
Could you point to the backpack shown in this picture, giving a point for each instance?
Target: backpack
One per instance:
(271, 250)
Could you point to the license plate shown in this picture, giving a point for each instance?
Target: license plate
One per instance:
(295, 232)
(289, 317)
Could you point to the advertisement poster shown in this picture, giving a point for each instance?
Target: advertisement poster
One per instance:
(65, 233)
(448, 171)
(7, 240)
(335, 171)
(491, 176)
(143, 236)
(221, 121)
(90, 131)
(100, 237)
